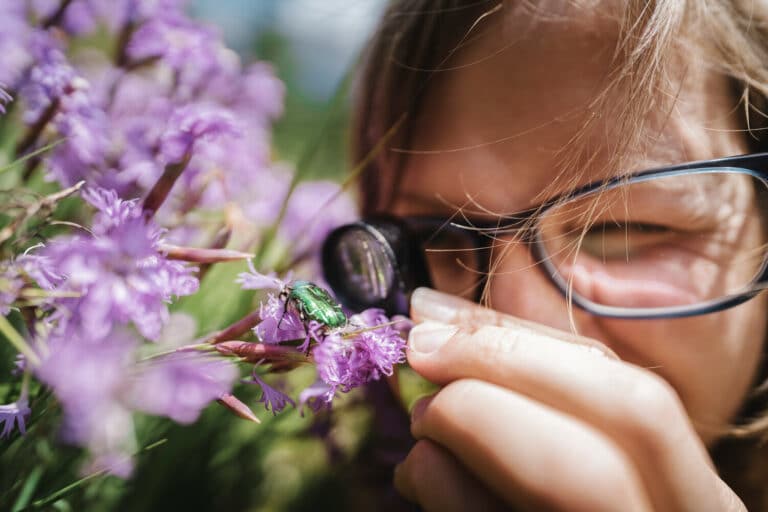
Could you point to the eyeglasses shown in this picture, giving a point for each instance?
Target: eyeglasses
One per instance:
(665, 243)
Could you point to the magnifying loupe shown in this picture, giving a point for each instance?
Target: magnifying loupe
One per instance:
(374, 263)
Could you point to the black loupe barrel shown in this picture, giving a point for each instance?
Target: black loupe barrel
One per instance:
(374, 263)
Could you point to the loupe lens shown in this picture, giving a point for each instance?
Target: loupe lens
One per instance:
(360, 267)
(375, 263)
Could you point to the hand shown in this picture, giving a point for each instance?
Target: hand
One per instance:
(536, 418)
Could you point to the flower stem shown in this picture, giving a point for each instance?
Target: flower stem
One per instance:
(235, 330)
(57, 16)
(202, 255)
(13, 336)
(220, 241)
(33, 133)
(162, 188)
(202, 347)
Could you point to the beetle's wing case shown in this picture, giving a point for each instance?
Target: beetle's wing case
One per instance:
(317, 304)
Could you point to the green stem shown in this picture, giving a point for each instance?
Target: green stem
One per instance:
(200, 347)
(13, 336)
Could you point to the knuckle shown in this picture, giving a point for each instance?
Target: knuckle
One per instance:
(477, 317)
(619, 481)
(651, 406)
(489, 342)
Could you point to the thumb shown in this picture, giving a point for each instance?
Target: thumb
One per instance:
(428, 304)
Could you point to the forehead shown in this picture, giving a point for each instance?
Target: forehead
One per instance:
(495, 124)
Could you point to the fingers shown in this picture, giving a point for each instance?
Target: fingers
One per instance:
(529, 453)
(428, 304)
(637, 410)
(434, 478)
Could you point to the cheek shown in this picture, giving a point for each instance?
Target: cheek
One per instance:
(711, 360)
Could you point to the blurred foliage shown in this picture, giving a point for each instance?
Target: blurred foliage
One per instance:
(305, 120)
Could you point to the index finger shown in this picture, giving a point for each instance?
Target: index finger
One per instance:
(428, 304)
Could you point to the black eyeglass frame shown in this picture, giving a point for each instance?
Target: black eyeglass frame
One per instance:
(755, 165)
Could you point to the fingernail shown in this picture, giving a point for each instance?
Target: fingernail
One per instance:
(429, 336)
(436, 305)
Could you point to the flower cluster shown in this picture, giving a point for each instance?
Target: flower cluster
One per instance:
(162, 144)
(366, 348)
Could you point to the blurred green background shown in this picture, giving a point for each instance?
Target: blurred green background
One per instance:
(319, 462)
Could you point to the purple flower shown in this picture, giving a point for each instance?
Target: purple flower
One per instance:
(272, 398)
(5, 99)
(195, 124)
(40, 268)
(20, 365)
(181, 385)
(193, 52)
(345, 361)
(53, 83)
(316, 396)
(176, 40)
(80, 16)
(119, 273)
(49, 79)
(88, 377)
(278, 323)
(255, 280)
(112, 210)
(16, 35)
(255, 91)
(262, 92)
(314, 209)
(12, 415)
(10, 285)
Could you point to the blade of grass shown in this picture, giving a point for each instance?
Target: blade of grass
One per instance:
(64, 491)
(29, 488)
(31, 155)
(16, 339)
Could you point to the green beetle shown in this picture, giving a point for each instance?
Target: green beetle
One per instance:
(313, 303)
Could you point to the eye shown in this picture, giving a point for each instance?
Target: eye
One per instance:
(454, 260)
(612, 239)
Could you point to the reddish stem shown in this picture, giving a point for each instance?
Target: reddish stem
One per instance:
(162, 188)
(34, 131)
(220, 241)
(238, 408)
(56, 17)
(237, 329)
(257, 352)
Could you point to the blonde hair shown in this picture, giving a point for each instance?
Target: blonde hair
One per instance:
(417, 40)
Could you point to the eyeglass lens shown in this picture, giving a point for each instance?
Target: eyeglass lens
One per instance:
(671, 241)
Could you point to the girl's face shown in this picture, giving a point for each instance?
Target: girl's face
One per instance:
(489, 139)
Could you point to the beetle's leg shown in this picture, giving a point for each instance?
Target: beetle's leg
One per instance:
(285, 310)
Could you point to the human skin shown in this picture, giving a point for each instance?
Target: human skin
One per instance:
(527, 415)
